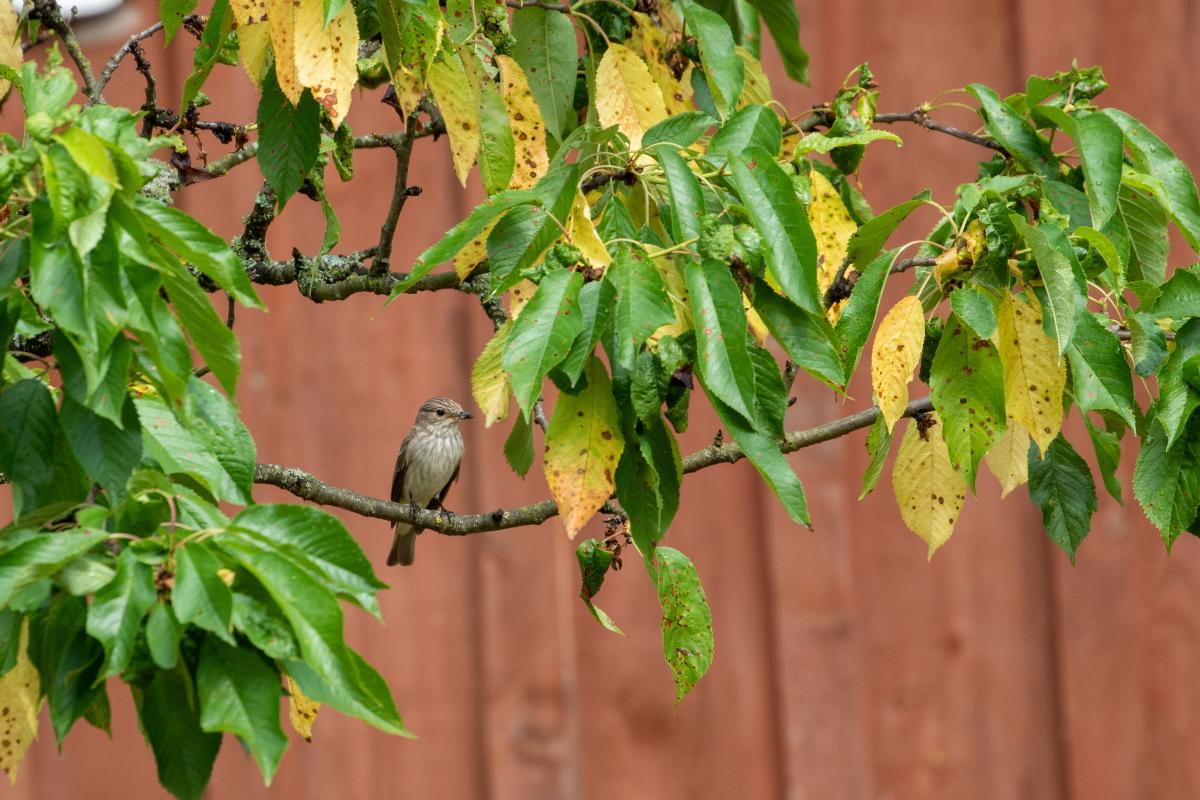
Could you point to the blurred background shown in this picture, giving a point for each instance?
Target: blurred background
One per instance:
(846, 666)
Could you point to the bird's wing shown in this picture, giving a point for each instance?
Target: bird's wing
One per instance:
(437, 501)
(398, 473)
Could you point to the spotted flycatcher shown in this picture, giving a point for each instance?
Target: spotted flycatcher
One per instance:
(429, 460)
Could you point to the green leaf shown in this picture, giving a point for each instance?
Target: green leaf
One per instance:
(68, 661)
(200, 247)
(821, 143)
(216, 343)
(1065, 283)
(170, 720)
(260, 619)
(1141, 221)
(1061, 485)
(1166, 482)
(1101, 154)
(521, 238)
(178, 450)
(680, 130)
(686, 621)
(39, 557)
(763, 452)
(115, 615)
(107, 452)
(770, 395)
(808, 339)
(355, 688)
(724, 362)
(410, 33)
(687, 202)
(200, 597)
(172, 13)
(289, 138)
(320, 542)
(216, 421)
(461, 235)
(497, 155)
(789, 247)
(542, 335)
(752, 126)
(967, 383)
(107, 397)
(1108, 458)
(596, 307)
(648, 478)
(84, 576)
(1179, 298)
(518, 447)
(216, 28)
(545, 48)
(784, 24)
(1179, 187)
(1016, 134)
(1107, 250)
(1149, 344)
(28, 430)
(594, 561)
(1177, 399)
(642, 305)
(163, 633)
(858, 317)
(239, 694)
(879, 443)
(1099, 373)
(976, 308)
(723, 67)
(869, 240)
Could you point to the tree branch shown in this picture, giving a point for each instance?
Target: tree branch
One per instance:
(111, 65)
(306, 487)
(920, 116)
(50, 14)
(400, 194)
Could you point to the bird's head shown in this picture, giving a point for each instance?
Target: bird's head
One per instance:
(441, 412)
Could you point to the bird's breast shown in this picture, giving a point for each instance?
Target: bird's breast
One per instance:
(433, 457)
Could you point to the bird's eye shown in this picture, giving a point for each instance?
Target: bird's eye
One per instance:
(441, 412)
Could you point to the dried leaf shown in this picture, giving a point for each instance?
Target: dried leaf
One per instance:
(895, 353)
(302, 710)
(626, 94)
(1034, 375)
(20, 699)
(928, 491)
(528, 129)
(489, 381)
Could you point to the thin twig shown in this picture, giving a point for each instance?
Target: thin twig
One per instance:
(111, 65)
(306, 487)
(400, 194)
(920, 116)
(49, 12)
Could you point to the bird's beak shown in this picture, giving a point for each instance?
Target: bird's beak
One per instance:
(465, 415)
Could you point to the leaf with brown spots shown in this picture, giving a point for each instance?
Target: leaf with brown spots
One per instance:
(928, 490)
(20, 699)
(472, 254)
(756, 90)
(248, 12)
(302, 710)
(651, 40)
(895, 353)
(489, 381)
(626, 94)
(583, 445)
(1008, 459)
(458, 100)
(1034, 375)
(832, 226)
(528, 129)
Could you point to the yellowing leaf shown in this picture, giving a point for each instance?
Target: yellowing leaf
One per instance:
(582, 233)
(928, 490)
(475, 252)
(832, 226)
(895, 353)
(302, 710)
(1034, 375)
(283, 42)
(489, 381)
(757, 326)
(651, 40)
(583, 445)
(409, 90)
(20, 699)
(248, 12)
(626, 94)
(519, 295)
(458, 99)
(343, 36)
(10, 43)
(756, 88)
(310, 55)
(1008, 458)
(963, 255)
(254, 46)
(528, 129)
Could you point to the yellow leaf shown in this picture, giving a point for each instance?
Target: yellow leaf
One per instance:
(626, 94)
(519, 295)
(928, 490)
(254, 47)
(409, 90)
(895, 353)
(1008, 458)
(651, 40)
(20, 699)
(326, 57)
(528, 129)
(756, 88)
(248, 12)
(472, 254)
(583, 445)
(302, 710)
(832, 226)
(1034, 375)
(582, 233)
(283, 42)
(489, 381)
(458, 99)
(788, 150)
(10, 43)
(757, 326)
(963, 255)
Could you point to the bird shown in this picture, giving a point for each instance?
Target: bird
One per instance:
(429, 462)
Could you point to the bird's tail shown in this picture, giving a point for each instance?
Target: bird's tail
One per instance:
(404, 546)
